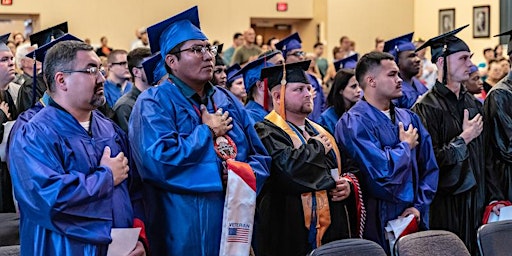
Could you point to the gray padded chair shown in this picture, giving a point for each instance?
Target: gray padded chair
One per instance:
(13, 250)
(431, 243)
(494, 239)
(10, 230)
(349, 247)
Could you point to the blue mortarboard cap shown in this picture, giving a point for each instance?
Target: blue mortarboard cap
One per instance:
(446, 43)
(349, 62)
(232, 71)
(47, 35)
(153, 68)
(289, 43)
(508, 33)
(177, 29)
(3, 42)
(252, 70)
(473, 69)
(295, 73)
(399, 44)
(41, 51)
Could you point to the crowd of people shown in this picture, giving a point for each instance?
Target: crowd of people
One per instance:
(256, 148)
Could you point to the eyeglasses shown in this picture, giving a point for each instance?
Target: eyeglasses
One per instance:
(196, 49)
(122, 63)
(91, 71)
(297, 54)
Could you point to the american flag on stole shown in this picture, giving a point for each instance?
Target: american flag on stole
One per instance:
(238, 235)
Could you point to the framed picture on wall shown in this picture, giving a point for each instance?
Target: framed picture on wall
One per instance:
(446, 20)
(481, 15)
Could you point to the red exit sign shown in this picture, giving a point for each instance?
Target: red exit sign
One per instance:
(6, 2)
(282, 7)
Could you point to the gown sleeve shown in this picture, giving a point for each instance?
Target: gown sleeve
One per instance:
(386, 167)
(300, 170)
(427, 168)
(170, 159)
(68, 202)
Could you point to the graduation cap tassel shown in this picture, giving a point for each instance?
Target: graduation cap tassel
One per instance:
(445, 65)
(265, 94)
(283, 90)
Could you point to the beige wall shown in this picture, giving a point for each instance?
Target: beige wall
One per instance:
(426, 20)
(118, 19)
(363, 20)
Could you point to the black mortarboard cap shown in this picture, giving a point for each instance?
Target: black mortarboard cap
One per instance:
(45, 36)
(218, 59)
(3, 42)
(445, 44)
(41, 51)
(508, 33)
(289, 73)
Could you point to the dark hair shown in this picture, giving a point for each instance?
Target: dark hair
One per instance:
(488, 50)
(335, 50)
(497, 61)
(60, 57)
(368, 63)
(343, 38)
(339, 84)
(111, 57)
(174, 51)
(236, 35)
(136, 56)
(318, 44)
(270, 40)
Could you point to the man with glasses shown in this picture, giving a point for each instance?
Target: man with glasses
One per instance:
(71, 176)
(123, 107)
(118, 80)
(291, 48)
(185, 135)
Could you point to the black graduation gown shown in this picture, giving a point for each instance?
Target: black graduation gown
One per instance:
(280, 228)
(498, 135)
(25, 94)
(6, 197)
(460, 200)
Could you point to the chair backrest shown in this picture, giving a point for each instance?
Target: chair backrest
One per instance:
(430, 243)
(495, 238)
(349, 247)
(13, 250)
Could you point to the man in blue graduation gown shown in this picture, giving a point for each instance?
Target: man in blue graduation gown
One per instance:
(171, 131)
(291, 47)
(70, 174)
(409, 64)
(391, 147)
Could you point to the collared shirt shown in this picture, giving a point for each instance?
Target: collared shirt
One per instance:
(190, 94)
